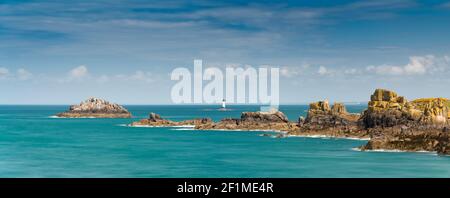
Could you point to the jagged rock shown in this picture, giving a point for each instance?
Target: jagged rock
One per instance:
(396, 138)
(321, 106)
(435, 110)
(272, 120)
(321, 115)
(334, 121)
(301, 121)
(156, 120)
(339, 108)
(274, 116)
(154, 117)
(386, 109)
(98, 108)
(395, 123)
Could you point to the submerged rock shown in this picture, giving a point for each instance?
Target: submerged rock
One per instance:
(95, 107)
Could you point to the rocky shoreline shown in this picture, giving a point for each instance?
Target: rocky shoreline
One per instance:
(390, 123)
(95, 108)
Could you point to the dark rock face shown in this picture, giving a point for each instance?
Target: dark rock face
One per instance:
(409, 139)
(388, 118)
(154, 117)
(276, 116)
(95, 107)
(156, 120)
(273, 120)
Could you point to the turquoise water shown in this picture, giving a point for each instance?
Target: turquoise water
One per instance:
(32, 144)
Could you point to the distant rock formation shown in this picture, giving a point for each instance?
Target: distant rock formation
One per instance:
(156, 120)
(273, 120)
(97, 108)
(273, 116)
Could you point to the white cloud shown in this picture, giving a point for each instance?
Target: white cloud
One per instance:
(142, 76)
(323, 70)
(3, 72)
(23, 74)
(351, 71)
(418, 65)
(294, 71)
(78, 72)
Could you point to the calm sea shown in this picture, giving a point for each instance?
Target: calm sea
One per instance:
(33, 144)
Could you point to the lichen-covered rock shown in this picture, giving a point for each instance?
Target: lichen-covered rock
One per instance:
(382, 100)
(98, 108)
(321, 115)
(435, 110)
(387, 109)
(332, 121)
(339, 108)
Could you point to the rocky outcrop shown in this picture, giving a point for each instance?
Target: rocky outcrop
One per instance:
(410, 139)
(321, 115)
(395, 123)
(273, 116)
(386, 109)
(156, 120)
(330, 121)
(272, 120)
(97, 108)
(390, 121)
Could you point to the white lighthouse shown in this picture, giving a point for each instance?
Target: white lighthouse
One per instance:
(223, 104)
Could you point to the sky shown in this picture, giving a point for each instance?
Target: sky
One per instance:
(62, 52)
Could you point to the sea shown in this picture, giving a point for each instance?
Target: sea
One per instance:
(34, 143)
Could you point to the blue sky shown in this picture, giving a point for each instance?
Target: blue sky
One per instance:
(61, 52)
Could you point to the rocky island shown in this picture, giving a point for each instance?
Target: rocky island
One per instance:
(390, 122)
(95, 108)
(155, 120)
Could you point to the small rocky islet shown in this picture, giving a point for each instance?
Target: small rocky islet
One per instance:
(390, 122)
(95, 108)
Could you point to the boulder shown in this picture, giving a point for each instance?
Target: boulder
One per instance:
(272, 116)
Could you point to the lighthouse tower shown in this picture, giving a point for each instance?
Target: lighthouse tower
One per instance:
(223, 104)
